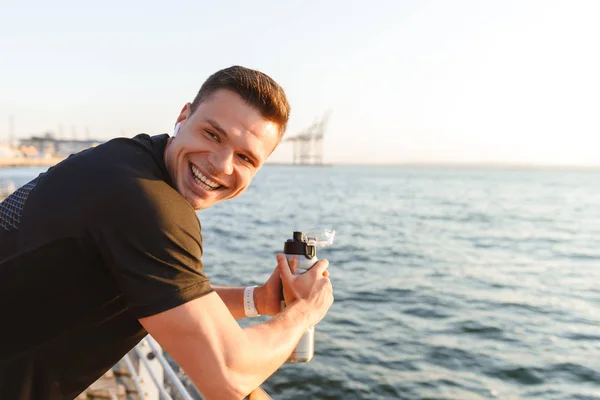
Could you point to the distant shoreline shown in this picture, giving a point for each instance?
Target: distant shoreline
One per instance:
(30, 162)
(451, 166)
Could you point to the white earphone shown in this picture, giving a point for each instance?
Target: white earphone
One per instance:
(176, 130)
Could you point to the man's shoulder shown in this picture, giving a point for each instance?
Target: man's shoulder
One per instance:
(133, 176)
(150, 144)
(132, 170)
(143, 152)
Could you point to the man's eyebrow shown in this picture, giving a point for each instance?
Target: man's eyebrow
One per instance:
(217, 127)
(224, 133)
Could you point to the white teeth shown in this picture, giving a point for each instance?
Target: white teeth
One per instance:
(204, 185)
(203, 180)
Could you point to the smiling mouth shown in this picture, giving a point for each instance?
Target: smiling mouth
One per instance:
(202, 180)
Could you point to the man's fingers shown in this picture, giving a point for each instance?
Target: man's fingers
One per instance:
(320, 267)
(284, 268)
(293, 262)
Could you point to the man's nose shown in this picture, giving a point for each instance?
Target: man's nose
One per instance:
(222, 162)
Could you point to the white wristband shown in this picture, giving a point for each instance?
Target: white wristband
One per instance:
(249, 307)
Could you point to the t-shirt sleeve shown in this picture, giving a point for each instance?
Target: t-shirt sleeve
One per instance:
(150, 238)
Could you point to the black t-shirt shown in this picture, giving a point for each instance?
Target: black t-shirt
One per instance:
(98, 241)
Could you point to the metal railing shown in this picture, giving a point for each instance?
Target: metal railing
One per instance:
(154, 373)
(171, 374)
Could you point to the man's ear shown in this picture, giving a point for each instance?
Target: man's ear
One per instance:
(184, 114)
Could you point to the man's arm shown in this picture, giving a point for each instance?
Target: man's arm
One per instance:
(267, 298)
(226, 361)
(233, 297)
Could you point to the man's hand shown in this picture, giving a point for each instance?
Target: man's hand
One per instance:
(314, 286)
(268, 297)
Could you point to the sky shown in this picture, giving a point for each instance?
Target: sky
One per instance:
(508, 82)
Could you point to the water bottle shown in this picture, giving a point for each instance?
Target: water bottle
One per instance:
(306, 257)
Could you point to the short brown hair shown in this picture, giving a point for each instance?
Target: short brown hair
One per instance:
(256, 88)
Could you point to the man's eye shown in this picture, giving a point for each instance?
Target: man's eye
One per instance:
(245, 158)
(214, 136)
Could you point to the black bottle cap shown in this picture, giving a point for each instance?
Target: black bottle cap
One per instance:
(298, 246)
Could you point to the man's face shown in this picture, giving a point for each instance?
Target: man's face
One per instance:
(219, 149)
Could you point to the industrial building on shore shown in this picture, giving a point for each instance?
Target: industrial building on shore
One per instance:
(49, 146)
(38, 148)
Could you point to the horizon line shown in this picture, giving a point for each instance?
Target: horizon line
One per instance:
(455, 164)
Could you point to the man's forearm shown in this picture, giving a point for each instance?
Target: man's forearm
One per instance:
(222, 359)
(233, 297)
(268, 345)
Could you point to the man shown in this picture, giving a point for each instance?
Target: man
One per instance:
(105, 247)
